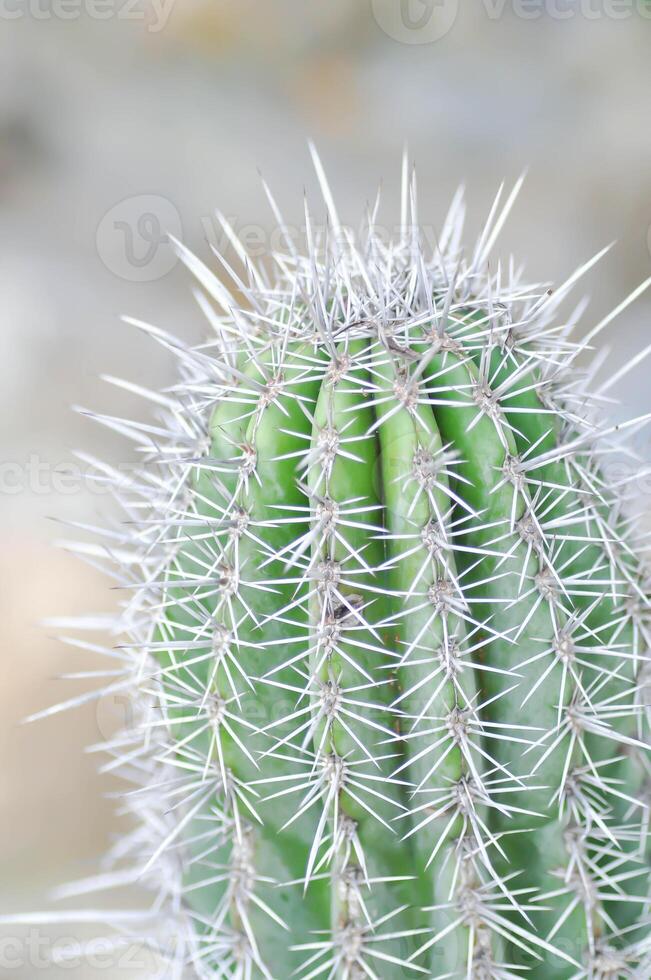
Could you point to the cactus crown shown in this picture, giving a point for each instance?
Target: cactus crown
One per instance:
(389, 627)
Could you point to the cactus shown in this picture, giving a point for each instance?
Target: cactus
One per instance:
(388, 627)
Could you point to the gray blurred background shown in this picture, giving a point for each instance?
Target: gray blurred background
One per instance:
(118, 119)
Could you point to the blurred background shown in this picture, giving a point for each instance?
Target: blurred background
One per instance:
(119, 121)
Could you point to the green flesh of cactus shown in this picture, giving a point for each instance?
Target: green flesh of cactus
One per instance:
(400, 641)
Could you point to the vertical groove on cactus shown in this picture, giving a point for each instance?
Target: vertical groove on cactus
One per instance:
(388, 629)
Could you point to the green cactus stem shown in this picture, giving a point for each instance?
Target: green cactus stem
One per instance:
(389, 628)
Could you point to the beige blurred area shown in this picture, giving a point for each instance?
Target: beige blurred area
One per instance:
(171, 108)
